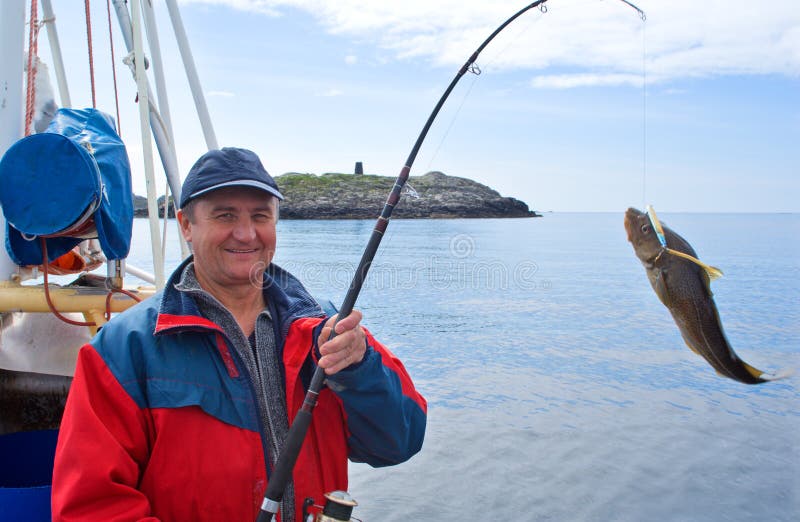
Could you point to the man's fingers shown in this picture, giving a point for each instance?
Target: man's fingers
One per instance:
(346, 348)
(349, 322)
(336, 360)
(340, 343)
(324, 335)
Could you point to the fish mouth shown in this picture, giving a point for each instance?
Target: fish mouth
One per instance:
(631, 216)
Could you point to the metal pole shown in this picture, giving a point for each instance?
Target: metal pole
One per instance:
(161, 132)
(191, 75)
(163, 108)
(55, 51)
(141, 274)
(158, 68)
(147, 148)
(162, 139)
(12, 47)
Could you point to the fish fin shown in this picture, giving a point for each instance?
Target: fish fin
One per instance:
(660, 286)
(712, 271)
(755, 372)
(780, 374)
(758, 374)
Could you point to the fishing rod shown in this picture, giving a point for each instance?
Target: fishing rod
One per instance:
(282, 473)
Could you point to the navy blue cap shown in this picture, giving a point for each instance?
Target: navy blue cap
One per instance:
(227, 167)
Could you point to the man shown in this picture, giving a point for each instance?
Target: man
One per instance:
(180, 405)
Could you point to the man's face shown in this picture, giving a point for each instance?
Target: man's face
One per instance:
(232, 232)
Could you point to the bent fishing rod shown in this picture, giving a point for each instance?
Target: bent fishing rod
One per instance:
(282, 473)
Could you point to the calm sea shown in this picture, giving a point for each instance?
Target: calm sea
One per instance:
(558, 386)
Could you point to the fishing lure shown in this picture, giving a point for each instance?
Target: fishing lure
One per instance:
(712, 271)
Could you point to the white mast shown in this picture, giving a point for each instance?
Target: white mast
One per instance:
(156, 122)
(163, 108)
(161, 132)
(55, 50)
(144, 121)
(151, 29)
(12, 45)
(191, 75)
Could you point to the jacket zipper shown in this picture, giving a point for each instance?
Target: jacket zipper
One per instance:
(254, 397)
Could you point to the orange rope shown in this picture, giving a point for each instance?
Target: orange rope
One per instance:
(33, 47)
(121, 291)
(113, 65)
(89, 43)
(52, 306)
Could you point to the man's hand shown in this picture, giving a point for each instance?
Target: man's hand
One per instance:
(348, 347)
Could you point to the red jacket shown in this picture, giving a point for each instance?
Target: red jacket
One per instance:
(161, 423)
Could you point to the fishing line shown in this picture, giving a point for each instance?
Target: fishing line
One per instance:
(408, 192)
(452, 122)
(644, 112)
(477, 72)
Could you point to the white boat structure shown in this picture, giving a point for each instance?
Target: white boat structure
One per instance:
(42, 324)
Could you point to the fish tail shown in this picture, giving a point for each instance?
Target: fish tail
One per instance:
(764, 376)
(780, 374)
(752, 370)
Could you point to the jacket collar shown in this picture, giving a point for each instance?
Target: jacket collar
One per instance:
(284, 292)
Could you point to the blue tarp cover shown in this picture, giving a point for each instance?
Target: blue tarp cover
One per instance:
(49, 180)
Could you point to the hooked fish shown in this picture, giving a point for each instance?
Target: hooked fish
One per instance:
(682, 284)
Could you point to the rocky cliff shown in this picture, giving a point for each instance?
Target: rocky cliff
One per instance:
(348, 196)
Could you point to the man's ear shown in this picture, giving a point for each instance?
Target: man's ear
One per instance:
(185, 224)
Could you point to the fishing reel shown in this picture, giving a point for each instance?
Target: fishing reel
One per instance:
(338, 508)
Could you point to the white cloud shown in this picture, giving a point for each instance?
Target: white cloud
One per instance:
(350, 59)
(330, 93)
(603, 41)
(266, 7)
(566, 81)
(221, 94)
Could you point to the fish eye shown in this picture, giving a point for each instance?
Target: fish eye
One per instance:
(645, 228)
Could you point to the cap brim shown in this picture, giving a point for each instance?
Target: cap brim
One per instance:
(238, 183)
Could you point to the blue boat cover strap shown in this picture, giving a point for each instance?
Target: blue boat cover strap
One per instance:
(49, 181)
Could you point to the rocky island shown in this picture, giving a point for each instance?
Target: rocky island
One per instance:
(361, 196)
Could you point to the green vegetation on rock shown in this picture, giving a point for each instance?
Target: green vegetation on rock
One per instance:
(348, 196)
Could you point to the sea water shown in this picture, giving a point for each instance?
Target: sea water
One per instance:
(558, 386)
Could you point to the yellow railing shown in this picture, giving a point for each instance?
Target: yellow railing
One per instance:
(89, 301)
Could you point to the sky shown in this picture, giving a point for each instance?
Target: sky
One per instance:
(584, 107)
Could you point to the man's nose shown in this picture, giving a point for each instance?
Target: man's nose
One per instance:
(244, 230)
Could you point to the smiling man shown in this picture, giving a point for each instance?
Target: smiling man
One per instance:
(181, 405)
